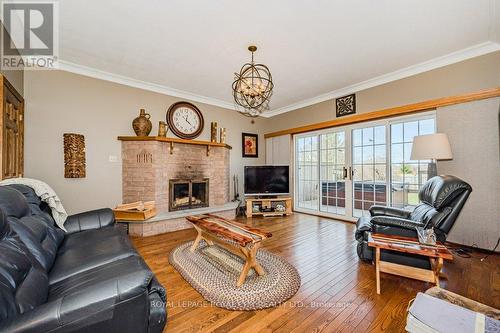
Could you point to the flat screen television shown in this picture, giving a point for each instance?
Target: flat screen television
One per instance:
(267, 180)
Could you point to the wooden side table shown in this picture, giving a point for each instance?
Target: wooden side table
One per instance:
(436, 254)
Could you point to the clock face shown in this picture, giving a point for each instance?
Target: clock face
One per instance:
(185, 120)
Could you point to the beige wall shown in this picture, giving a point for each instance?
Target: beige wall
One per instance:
(467, 76)
(59, 102)
(472, 129)
(16, 78)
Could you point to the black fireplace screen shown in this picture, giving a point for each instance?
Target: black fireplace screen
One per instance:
(187, 194)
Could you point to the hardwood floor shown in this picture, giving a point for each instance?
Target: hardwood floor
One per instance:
(337, 293)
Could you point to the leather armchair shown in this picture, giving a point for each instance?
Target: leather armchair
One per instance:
(441, 200)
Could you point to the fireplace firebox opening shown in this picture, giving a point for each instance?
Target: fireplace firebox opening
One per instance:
(188, 194)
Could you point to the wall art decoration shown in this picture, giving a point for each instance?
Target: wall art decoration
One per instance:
(346, 105)
(74, 155)
(250, 145)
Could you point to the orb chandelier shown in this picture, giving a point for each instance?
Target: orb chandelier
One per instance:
(252, 88)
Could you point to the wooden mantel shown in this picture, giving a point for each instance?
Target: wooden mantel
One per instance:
(174, 140)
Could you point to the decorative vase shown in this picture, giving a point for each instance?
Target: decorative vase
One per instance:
(222, 135)
(213, 132)
(162, 129)
(142, 125)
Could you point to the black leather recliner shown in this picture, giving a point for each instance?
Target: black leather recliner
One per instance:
(89, 279)
(442, 198)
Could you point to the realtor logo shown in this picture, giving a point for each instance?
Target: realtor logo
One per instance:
(30, 38)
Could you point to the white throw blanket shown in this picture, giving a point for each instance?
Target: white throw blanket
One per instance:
(46, 194)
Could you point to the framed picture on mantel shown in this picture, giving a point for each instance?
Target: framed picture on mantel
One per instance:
(249, 145)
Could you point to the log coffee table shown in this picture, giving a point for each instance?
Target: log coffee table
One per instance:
(436, 254)
(233, 236)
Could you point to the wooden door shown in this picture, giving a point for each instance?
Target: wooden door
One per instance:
(12, 132)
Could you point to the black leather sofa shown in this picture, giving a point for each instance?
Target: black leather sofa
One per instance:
(442, 198)
(89, 279)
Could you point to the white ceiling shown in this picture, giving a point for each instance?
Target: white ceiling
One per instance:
(315, 49)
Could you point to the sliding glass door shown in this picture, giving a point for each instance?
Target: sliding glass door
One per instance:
(407, 176)
(333, 172)
(342, 172)
(369, 168)
(307, 180)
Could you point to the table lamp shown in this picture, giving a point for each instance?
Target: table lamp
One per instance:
(431, 147)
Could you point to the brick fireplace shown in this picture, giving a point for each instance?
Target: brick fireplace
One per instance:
(151, 168)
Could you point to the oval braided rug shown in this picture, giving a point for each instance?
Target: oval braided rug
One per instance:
(213, 272)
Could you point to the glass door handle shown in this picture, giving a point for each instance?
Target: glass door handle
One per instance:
(348, 173)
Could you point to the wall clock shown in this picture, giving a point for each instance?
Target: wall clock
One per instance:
(185, 120)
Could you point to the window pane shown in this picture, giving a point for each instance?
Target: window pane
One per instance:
(356, 137)
(357, 155)
(426, 126)
(397, 195)
(380, 154)
(410, 130)
(314, 143)
(397, 153)
(410, 172)
(396, 133)
(330, 156)
(307, 144)
(340, 139)
(357, 174)
(314, 156)
(380, 173)
(397, 173)
(368, 189)
(368, 136)
(380, 135)
(368, 154)
(322, 141)
(330, 141)
(340, 156)
(368, 173)
(407, 152)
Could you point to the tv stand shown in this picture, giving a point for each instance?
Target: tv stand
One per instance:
(267, 206)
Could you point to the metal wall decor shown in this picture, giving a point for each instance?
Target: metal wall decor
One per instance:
(346, 105)
(74, 155)
(252, 88)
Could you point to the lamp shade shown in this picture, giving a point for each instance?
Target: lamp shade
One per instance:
(431, 146)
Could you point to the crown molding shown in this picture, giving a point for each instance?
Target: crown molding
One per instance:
(128, 81)
(448, 59)
(451, 58)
